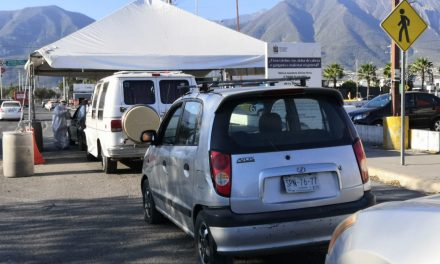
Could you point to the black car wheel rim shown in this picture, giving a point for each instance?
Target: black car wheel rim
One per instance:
(203, 243)
(147, 203)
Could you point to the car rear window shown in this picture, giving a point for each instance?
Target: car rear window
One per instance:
(139, 92)
(279, 123)
(170, 90)
(10, 104)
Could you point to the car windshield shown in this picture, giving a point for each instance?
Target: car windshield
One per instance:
(279, 123)
(379, 101)
(11, 104)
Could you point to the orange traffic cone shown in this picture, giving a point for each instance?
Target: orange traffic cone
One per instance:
(38, 158)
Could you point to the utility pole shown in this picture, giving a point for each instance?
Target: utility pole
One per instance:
(197, 7)
(395, 71)
(238, 16)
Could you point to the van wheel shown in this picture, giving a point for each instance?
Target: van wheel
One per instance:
(151, 215)
(206, 249)
(436, 125)
(89, 156)
(81, 142)
(108, 166)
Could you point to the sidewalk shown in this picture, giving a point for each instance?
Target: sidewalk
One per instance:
(421, 171)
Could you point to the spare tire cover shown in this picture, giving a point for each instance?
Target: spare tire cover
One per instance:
(138, 119)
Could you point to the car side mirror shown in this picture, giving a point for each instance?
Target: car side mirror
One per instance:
(148, 136)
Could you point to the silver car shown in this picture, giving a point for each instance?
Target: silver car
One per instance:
(402, 232)
(250, 170)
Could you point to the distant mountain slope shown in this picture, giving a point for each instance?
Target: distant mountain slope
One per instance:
(25, 30)
(347, 29)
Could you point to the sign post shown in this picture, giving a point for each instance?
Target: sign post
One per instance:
(404, 26)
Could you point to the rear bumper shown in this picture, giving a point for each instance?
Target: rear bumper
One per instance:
(6, 115)
(248, 233)
(127, 151)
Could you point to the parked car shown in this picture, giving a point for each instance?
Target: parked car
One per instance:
(240, 181)
(76, 130)
(402, 232)
(422, 108)
(10, 110)
(113, 99)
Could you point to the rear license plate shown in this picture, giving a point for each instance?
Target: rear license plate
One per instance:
(11, 110)
(301, 183)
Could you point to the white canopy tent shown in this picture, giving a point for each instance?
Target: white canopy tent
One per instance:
(148, 35)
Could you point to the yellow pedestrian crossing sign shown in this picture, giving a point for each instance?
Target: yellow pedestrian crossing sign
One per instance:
(404, 25)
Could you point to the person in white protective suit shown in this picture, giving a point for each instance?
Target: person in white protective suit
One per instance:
(59, 125)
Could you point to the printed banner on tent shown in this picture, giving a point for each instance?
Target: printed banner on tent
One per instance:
(285, 60)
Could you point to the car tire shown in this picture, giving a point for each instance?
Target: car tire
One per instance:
(378, 123)
(90, 157)
(81, 142)
(109, 166)
(71, 142)
(436, 125)
(206, 249)
(151, 215)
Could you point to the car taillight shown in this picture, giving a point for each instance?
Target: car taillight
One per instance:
(361, 159)
(221, 172)
(116, 125)
(1, 109)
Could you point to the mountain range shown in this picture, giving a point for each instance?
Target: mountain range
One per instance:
(348, 30)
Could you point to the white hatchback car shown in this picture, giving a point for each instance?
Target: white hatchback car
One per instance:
(404, 232)
(10, 110)
(254, 169)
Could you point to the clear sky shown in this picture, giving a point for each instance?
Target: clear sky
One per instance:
(96, 9)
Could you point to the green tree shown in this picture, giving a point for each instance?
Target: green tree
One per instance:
(333, 72)
(367, 72)
(421, 66)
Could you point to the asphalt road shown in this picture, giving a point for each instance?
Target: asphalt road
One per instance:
(70, 212)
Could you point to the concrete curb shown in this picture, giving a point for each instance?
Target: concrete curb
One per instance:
(406, 181)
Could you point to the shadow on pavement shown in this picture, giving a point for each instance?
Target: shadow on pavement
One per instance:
(386, 194)
(107, 230)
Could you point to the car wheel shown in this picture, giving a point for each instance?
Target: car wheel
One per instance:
(108, 166)
(71, 142)
(378, 123)
(151, 215)
(436, 125)
(90, 157)
(81, 142)
(206, 249)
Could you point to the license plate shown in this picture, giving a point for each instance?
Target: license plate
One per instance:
(11, 110)
(301, 183)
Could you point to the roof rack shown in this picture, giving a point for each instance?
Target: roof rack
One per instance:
(208, 86)
(151, 72)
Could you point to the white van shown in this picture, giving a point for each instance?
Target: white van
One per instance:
(124, 100)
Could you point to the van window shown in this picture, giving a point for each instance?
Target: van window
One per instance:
(170, 90)
(95, 100)
(244, 125)
(102, 101)
(139, 92)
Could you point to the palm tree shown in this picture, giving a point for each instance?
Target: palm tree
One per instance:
(421, 66)
(334, 72)
(367, 72)
(387, 73)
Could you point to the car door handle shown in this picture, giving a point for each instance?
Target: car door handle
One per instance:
(164, 163)
(186, 167)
